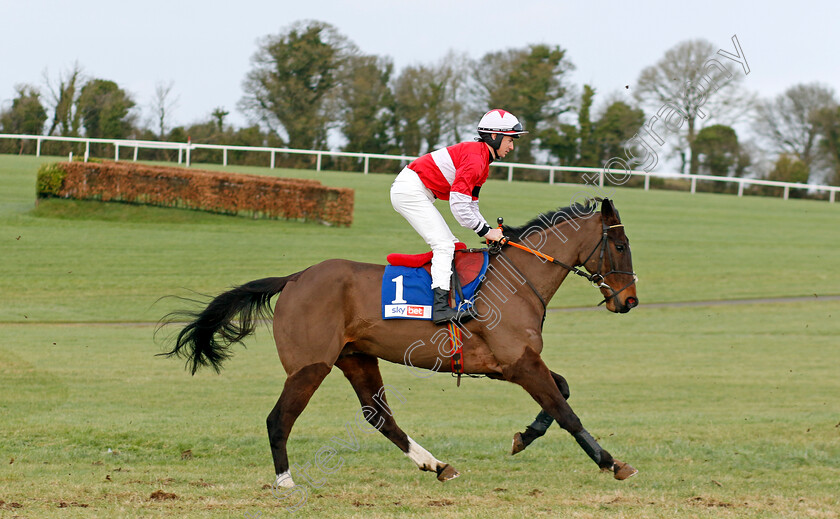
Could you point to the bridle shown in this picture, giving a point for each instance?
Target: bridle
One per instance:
(597, 280)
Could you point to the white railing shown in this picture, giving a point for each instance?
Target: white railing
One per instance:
(185, 149)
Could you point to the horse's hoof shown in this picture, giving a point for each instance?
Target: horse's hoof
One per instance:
(447, 472)
(284, 480)
(623, 470)
(518, 444)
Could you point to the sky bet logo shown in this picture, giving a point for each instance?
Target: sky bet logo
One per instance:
(409, 311)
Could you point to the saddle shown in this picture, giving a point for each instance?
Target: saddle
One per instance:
(407, 281)
(468, 265)
(413, 273)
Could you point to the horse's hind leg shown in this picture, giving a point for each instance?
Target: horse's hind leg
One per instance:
(297, 391)
(531, 373)
(363, 373)
(541, 423)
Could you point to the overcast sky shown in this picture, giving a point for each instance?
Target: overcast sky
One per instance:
(204, 47)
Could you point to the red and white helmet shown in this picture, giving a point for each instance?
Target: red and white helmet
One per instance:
(501, 123)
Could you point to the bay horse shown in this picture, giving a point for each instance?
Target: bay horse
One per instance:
(330, 315)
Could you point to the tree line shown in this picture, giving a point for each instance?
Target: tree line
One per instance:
(310, 86)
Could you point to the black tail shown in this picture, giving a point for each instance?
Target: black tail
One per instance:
(207, 339)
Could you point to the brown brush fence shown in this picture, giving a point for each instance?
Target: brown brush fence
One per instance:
(217, 192)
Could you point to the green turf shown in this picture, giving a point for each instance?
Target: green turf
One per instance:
(736, 416)
(726, 411)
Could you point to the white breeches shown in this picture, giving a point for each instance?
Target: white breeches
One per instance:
(415, 202)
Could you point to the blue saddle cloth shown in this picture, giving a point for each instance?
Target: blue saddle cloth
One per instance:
(407, 292)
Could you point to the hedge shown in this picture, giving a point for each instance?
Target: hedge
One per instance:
(228, 193)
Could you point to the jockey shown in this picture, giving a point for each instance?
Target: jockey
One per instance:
(455, 173)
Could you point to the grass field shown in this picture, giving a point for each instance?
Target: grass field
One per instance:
(727, 411)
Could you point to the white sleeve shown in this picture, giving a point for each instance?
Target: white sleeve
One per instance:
(465, 211)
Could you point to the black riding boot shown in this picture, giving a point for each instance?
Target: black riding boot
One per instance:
(442, 312)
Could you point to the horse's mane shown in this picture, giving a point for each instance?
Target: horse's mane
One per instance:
(546, 220)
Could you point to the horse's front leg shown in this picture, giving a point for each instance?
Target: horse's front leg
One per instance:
(533, 375)
(541, 423)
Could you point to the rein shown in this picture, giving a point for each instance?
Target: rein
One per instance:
(597, 280)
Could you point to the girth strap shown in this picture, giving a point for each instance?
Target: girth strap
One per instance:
(457, 351)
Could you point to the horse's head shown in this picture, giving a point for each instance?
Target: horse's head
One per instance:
(609, 260)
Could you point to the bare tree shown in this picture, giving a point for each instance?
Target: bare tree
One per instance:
(686, 89)
(790, 121)
(62, 101)
(162, 105)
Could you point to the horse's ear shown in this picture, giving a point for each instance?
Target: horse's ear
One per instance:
(609, 212)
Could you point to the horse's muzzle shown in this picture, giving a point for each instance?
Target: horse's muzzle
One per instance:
(629, 303)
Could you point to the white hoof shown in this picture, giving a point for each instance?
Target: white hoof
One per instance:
(284, 480)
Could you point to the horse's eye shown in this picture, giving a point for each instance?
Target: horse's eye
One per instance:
(619, 248)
